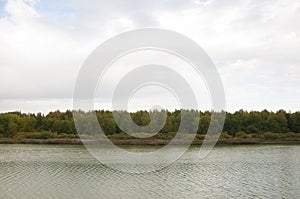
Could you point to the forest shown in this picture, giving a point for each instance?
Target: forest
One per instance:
(61, 124)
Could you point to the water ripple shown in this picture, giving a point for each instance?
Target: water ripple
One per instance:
(43, 171)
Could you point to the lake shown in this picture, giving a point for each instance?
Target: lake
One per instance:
(69, 171)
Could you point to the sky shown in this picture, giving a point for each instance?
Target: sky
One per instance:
(254, 45)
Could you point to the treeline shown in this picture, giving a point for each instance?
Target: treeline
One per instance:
(253, 122)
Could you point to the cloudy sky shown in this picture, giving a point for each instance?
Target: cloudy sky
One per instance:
(255, 46)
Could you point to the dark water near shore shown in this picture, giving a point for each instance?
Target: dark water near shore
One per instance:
(66, 171)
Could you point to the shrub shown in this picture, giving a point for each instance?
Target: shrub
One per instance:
(288, 135)
(163, 136)
(188, 136)
(271, 136)
(225, 135)
(65, 135)
(122, 136)
(241, 134)
(200, 136)
(34, 135)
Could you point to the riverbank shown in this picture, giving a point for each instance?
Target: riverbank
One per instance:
(151, 142)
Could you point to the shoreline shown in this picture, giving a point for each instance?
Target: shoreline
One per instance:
(150, 142)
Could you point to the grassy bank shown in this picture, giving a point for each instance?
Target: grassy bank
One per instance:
(158, 139)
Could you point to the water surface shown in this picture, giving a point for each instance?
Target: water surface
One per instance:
(66, 171)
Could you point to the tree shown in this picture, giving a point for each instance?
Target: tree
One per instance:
(294, 122)
(39, 121)
(28, 124)
(12, 129)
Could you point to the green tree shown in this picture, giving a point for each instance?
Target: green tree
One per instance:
(12, 129)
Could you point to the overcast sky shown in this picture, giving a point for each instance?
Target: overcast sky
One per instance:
(255, 46)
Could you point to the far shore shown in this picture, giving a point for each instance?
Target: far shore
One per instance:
(150, 142)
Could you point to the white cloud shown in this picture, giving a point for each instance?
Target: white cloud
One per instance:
(255, 45)
(21, 10)
(37, 59)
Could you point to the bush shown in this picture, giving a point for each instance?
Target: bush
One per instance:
(122, 136)
(163, 136)
(34, 135)
(241, 134)
(65, 135)
(288, 135)
(271, 136)
(200, 136)
(225, 135)
(188, 136)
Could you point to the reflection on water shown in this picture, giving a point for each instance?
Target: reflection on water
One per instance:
(60, 171)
